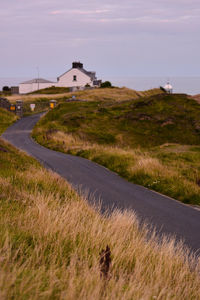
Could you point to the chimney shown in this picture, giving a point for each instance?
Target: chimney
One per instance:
(76, 65)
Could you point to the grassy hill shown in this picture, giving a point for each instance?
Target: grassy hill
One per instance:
(153, 141)
(50, 240)
(143, 122)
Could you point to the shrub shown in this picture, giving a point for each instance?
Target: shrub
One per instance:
(6, 89)
(87, 85)
(106, 84)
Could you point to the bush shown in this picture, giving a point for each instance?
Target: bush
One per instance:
(6, 89)
(106, 84)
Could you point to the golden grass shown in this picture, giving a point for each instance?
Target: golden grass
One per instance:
(36, 97)
(115, 94)
(50, 247)
(136, 163)
(196, 97)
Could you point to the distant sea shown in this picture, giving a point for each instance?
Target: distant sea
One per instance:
(188, 85)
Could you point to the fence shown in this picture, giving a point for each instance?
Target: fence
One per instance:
(4, 103)
(15, 108)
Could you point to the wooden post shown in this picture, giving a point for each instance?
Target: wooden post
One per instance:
(104, 262)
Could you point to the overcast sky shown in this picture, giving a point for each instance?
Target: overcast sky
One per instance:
(111, 37)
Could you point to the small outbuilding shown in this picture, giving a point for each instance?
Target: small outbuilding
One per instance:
(34, 85)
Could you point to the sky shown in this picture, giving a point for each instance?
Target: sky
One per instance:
(111, 37)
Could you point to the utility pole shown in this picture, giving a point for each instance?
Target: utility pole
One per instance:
(38, 74)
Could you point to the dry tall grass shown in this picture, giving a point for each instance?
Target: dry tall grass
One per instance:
(35, 97)
(136, 163)
(51, 239)
(115, 94)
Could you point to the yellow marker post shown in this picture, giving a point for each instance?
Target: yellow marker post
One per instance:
(52, 104)
(12, 107)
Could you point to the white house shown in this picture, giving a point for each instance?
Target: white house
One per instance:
(77, 78)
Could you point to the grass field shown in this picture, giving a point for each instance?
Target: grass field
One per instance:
(50, 241)
(153, 141)
(6, 119)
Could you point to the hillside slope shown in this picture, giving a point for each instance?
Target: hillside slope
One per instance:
(147, 140)
(6, 119)
(197, 98)
(143, 122)
(107, 94)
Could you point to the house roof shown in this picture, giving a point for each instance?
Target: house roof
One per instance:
(92, 75)
(37, 80)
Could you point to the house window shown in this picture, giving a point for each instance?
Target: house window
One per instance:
(74, 78)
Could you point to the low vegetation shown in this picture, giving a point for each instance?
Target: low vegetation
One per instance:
(6, 91)
(52, 90)
(106, 84)
(50, 240)
(41, 105)
(152, 141)
(6, 119)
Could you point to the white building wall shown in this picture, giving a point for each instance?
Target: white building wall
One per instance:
(66, 80)
(39, 86)
(25, 88)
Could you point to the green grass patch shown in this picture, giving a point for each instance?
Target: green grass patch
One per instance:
(41, 105)
(145, 122)
(51, 90)
(6, 119)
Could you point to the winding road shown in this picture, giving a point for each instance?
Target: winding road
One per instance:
(166, 215)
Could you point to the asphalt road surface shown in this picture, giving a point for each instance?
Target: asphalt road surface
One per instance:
(166, 215)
